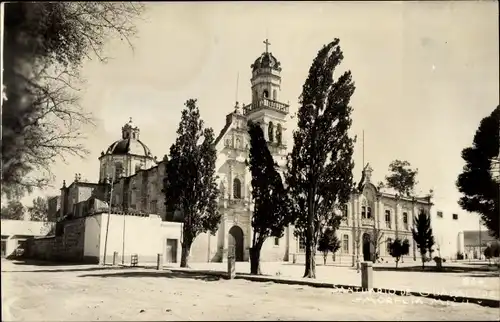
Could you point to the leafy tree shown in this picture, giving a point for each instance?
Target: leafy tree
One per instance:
(377, 240)
(14, 210)
(488, 253)
(40, 209)
(402, 177)
(45, 45)
(320, 166)
(480, 192)
(190, 179)
(271, 212)
(398, 249)
(422, 234)
(495, 249)
(492, 250)
(430, 245)
(328, 242)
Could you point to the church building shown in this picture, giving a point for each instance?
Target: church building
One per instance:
(132, 178)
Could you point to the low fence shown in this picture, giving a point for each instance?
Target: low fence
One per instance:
(337, 260)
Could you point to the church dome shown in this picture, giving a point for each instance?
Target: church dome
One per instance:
(130, 143)
(266, 60)
(129, 146)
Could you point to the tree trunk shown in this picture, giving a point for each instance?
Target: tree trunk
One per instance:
(324, 258)
(423, 261)
(310, 264)
(397, 261)
(186, 248)
(255, 260)
(310, 271)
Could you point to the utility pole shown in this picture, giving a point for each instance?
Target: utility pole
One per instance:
(123, 239)
(107, 223)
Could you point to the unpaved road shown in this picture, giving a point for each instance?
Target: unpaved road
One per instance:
(77, 293)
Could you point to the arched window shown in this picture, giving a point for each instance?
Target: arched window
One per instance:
(275, 95)
(237, 188)
(369, 213)
(270, 131)
(363, 212)
(118, 170)
(405, 220)
(279, 134)
(265, 94)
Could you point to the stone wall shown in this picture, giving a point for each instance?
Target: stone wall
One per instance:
(68, 247)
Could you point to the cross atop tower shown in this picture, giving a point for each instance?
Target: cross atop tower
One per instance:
(267, 44)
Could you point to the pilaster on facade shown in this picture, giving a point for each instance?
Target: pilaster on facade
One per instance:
(225, 231)
(358, 210)
(231, 179)
(396, 215)
(378, 215)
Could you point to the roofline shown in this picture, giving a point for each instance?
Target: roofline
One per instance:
(130, 154)
(224, 129)
(145, 147)
(81, 183)
(139, 171)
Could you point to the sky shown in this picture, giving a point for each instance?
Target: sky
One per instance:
(426, 73)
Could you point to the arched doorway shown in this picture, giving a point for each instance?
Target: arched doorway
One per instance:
(235, 241)
(367, 254)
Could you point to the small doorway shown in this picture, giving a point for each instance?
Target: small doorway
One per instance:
(171, 251)
(236, 242)
(4, 248)
(367, 247)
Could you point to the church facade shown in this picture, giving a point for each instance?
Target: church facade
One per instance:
(132, 179)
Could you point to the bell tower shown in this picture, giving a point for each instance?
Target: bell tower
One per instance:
(266, 108)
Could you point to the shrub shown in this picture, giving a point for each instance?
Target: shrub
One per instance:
(437, 259)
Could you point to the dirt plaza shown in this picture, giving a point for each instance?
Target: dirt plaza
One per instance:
(86, 292)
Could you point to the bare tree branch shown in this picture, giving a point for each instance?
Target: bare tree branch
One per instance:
(45, 46)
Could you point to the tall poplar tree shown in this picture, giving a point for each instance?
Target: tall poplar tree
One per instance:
(190, 179)
(320, 166)
(271, 212)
